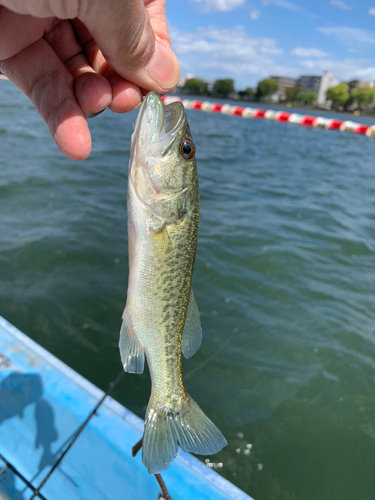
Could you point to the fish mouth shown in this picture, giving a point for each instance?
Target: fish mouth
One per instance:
(156, 126)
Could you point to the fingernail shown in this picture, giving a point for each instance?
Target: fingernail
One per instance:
(92, 115)
(163, 67)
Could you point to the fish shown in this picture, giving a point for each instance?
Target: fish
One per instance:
(161, 317)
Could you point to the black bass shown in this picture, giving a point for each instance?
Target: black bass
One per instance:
(161, 316)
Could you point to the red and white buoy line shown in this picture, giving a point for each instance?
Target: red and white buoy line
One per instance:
(279, 116)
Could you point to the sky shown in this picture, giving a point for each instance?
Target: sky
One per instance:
(248, 40)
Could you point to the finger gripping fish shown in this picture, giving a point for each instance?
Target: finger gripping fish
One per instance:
(161, 317)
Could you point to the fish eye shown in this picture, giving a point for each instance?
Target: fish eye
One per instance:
(187, 149)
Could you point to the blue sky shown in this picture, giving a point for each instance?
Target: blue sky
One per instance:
(251, 39)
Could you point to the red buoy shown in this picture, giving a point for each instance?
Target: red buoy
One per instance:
(237, 110)
(196, 105)
(259, 113)
(308, 121)
(335, 124)
(216, 108)
(361, 129)
(282, 116)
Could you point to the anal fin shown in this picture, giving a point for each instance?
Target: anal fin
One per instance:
(131, 351)
(192, 334)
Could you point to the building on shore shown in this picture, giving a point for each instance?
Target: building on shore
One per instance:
(210, 84)
(309, 82)
(284, 82)
(356, 84)
(327, 81)
(319, 84)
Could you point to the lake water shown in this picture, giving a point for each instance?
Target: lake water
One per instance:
(284, 279)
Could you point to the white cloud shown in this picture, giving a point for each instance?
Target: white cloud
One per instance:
(254, 14)
(219, 5)
(212, 52)
(372, 11)
(343, 69)
(285, 4)
(349, 36)
(302, 52)
(232, 43)
(341, 5)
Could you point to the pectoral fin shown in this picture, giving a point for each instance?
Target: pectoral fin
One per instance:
(192, 334)
(131, 351)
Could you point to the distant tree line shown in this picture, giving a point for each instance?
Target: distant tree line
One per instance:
(265, 89)
(343, 98)
(196, 86)
(340, 95)
(221, 87)
(268, 87)
(224, 87)
(296, 95)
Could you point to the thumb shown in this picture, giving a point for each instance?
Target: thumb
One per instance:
(134, 40)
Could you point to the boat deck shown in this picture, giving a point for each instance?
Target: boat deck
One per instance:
(42, 404)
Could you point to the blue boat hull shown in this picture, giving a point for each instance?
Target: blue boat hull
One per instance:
(42, 404)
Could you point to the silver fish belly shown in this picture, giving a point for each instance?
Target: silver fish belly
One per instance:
(161, 316)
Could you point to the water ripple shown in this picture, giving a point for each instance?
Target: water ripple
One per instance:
(284, 279)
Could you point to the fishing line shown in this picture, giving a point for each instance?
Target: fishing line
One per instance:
(159, 479)
(70, 441)
(11, 467)
(112, 386)
(235, 330)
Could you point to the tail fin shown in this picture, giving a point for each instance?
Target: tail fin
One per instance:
(167, 427)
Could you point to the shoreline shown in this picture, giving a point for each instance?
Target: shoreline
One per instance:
(262, 104)
(271, 105)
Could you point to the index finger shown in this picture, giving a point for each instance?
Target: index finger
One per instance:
(135, 45)
(42, 76)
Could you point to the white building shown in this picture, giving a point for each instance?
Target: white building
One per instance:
(319, 84)
(327, 81)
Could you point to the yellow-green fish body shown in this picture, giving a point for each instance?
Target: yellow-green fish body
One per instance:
(161, 316)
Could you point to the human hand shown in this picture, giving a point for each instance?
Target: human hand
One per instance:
(74, 58)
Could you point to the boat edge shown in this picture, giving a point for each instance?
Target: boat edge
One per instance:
(189, 460)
